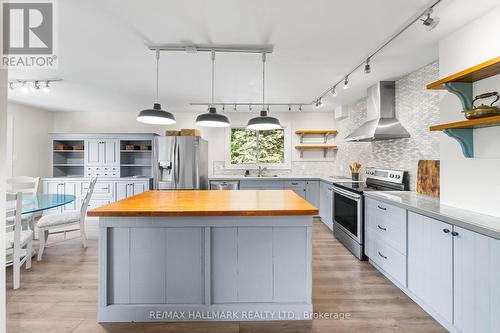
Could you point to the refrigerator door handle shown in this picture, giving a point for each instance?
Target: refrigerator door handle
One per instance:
(177, 163)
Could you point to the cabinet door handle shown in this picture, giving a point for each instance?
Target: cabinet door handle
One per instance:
(382, 228)
(446, 231)
(380, 254)
(454, 233)
(295, 183)
(380, 207)
(330, 189)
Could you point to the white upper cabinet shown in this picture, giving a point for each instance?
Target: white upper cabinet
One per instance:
(102, 152)
(476, 282)
(430, 263)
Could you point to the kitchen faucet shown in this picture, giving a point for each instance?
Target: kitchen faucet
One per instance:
(261, 171)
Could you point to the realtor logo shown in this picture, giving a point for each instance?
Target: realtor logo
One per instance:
(28, 34)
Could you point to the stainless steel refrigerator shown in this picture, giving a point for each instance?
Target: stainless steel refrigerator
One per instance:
(181, 163)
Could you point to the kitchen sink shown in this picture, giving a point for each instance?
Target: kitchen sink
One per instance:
(262, 176)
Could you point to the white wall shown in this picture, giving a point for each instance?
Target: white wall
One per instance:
(113, 122)
(471, 183)
(31, 152)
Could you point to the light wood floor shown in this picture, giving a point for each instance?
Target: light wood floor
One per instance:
(60, 295)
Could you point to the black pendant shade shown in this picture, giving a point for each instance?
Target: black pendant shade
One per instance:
(263, 122)
(212, 119)
(156, 116)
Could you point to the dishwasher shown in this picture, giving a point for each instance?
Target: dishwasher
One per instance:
(225, 185)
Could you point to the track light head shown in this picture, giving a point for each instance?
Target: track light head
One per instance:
(46, 88)
(334, 91)
(11, 86)
(235, 108)
(368, 68)
(430, 23)
(346, 82)
(300, 107)
(23, 87)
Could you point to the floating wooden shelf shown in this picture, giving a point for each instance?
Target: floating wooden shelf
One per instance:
(479, 72)
(325, 133)
(469, 124)
(325, 148)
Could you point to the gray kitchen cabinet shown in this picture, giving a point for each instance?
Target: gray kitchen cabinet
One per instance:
(476, 288)
(298, 186)
(125, 189)
(326, 204)
(430, 263)
(312, 192)
(100, 152)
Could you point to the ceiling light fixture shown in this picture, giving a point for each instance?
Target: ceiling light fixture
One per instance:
(429, 22)
(46, 89)
(264, 121)
(23, 87)
(346, 82)
(334, 91)
(156, 115)
(212, 118)
(35, 87)
(368, 68)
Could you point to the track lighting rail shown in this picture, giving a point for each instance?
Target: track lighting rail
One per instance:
(194, 48)
(428, 9)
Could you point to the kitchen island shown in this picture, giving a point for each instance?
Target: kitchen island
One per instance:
(205, 255)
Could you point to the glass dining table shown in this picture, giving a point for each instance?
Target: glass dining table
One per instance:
(40, 202)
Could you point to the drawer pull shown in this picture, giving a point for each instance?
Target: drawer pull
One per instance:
(294, 183)
(380, 207)
(382, 228)
(380, 254)
(454, 233)
(446, 231)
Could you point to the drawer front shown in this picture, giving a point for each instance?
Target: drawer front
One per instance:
(294, 184)
(387, 222)
(102, 171)
(386, 257)
(101, 189)
(261, 184)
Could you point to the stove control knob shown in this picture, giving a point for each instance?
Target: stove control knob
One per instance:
(391, 175)
(398, 176)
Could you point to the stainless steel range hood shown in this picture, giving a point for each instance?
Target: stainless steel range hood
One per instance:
(383, 124)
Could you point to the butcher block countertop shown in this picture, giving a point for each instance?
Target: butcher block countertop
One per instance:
(209, 203)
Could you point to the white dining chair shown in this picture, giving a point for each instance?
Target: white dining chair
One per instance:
(27, 186)
(56, 221)
(18, 242)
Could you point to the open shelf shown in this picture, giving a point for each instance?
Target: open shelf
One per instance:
(135, 151)
(325, 134)
(469, 124)
(315, 147)
(475, 73)
(460, 84)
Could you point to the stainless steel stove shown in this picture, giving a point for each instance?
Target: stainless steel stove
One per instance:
(348, 205)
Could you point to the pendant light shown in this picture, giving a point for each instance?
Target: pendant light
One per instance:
(212, 118)
(263, 122)
(156, 115)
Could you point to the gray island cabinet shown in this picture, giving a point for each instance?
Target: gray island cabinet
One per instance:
(205, 255)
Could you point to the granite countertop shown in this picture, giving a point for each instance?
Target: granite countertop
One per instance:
(484, 224)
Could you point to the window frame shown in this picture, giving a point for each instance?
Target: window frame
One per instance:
(252, 166)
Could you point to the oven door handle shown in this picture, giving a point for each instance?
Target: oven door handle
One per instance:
(346, 193)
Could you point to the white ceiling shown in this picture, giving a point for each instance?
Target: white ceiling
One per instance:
(106, 66)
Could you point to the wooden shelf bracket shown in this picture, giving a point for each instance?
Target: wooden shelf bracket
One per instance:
(463, 90)
(465, 138)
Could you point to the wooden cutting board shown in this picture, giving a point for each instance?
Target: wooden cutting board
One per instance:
(428, 177)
